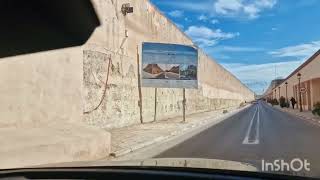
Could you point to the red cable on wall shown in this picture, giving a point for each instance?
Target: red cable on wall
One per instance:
(104, 91)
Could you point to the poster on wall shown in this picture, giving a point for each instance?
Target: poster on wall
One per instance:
(169, 66)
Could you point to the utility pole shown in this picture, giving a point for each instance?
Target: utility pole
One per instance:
(139, 86)
(184, 105)
(155, 104)
(299, 87)
(287, 93)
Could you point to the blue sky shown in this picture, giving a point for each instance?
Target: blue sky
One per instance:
(256, 40)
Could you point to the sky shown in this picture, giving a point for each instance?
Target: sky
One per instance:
(155, 53)
(256, 40)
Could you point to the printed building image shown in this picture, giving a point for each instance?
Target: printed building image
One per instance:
(188, 72)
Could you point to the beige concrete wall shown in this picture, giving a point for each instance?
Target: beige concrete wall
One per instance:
(311, 71)
(41, 88)
(218, 89)
(315, 85)
(310, 75)
(58, 86)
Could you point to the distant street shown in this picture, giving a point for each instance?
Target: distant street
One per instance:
(259, 132)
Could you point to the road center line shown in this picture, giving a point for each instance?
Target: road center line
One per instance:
(258, 126)
(246, 139)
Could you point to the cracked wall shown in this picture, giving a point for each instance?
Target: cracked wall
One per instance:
(59, 86)
(218, 89)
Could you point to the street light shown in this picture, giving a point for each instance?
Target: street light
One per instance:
(272, 94)
(126, 9)
(287, 93)
(300, 103)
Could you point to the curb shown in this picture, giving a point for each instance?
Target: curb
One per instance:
(141, 145)
(178, 133)
(312, 120)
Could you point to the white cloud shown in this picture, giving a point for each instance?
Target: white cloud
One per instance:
(265, 3)
(236, 49)
(274, 29)
(214, 21)
(258, 76)
(203, 18)
(207, 37)
(227, 6)
(202, 42)
(250, 9)
(176, 13)
(299, 51)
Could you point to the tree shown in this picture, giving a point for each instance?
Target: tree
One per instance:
(316, 109)
(283, 102)
(274, 102)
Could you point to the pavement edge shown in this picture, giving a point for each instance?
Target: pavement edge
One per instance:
(152, 148)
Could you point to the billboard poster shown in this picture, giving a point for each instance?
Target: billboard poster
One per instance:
(169, 66)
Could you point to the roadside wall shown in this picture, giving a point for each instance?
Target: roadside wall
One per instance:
(310, 80)
(58, 86)
(41, 88)
(218, 89)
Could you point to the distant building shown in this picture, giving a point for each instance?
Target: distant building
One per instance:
(309, 84)
(271, 92)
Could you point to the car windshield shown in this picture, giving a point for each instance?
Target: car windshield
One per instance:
(221, 84)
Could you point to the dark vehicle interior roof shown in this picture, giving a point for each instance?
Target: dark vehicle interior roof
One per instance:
(29, 26)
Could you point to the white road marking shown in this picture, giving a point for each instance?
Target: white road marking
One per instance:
(257, 135)
(258, 127)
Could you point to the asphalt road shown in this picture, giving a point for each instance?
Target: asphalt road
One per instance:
(258, 133)
(168, 75)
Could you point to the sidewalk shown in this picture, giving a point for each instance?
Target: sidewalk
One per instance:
(129, 139)
(54, 143)
(307, 115)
